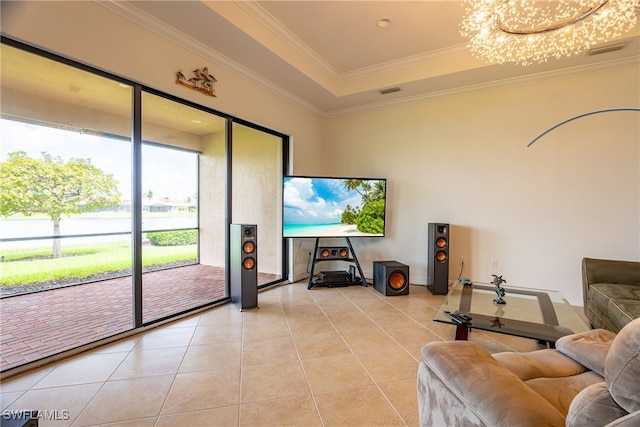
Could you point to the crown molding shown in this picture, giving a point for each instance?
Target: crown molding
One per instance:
(565, 73)
(260, 14)
(403, 63)
(269, 21)
(153, 24)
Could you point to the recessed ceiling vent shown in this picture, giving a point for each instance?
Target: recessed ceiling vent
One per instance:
(606, 49)
(390, 90)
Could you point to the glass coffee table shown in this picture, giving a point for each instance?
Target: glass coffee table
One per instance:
(539, 314)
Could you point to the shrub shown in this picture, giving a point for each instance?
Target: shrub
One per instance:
(173, 238)
(371, 217)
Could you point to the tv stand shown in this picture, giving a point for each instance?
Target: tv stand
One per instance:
(333, 279)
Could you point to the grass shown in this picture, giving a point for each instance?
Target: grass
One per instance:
(35, 253)
(80, 262)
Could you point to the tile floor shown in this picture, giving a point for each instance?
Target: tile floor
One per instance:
(324, 357)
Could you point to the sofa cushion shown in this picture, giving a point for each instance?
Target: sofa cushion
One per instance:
(622, 367)
(601, 293)
(593, 406)
(623, 311)
(541, 363)
(588, 348)
(476, 390)
(560, 392)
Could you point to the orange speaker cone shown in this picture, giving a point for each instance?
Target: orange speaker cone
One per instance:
(441, 242)
(441, 256)
(324, 253)
(248, 247)
(248, 263)
(397, 281)
(343, 253)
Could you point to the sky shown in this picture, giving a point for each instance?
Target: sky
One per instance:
(168, 173)
(316, 200)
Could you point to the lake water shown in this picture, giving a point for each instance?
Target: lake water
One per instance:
(21, 228)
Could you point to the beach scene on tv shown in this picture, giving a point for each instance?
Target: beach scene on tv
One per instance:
(333, 207)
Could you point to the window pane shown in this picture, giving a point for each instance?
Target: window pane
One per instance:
(65, 192)
(174, 134)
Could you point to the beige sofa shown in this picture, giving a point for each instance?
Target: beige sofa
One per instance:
(611, 292)
(589, 379)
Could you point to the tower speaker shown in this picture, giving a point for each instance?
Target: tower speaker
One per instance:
(438, 262)
(391, 278)
(333, 252)
(243, 250)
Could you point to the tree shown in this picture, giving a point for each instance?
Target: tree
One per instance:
(53, 187)
(369, 218)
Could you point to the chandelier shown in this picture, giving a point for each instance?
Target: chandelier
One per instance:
(528, 31)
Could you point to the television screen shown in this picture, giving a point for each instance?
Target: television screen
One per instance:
(333, 207)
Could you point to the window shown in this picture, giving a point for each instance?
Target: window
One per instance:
(143, 234)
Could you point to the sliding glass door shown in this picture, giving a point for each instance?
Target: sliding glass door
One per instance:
(174, 137)
(65, 197)
(257, 170)
(115, 204)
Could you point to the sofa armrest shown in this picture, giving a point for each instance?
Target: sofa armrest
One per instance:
(608, 271)
(459, 383)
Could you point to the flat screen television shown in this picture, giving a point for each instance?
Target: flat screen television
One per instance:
(333, 207)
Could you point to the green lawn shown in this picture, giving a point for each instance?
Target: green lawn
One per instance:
(79, 262)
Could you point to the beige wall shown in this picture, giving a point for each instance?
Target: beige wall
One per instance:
(461, 159)
(212, 200)
(257, 191)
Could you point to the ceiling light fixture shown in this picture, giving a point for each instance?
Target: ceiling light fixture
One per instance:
(528, 31)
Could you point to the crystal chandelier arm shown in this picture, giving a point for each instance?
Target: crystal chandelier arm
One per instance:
(609, 110)
(528, 31)
(553, 27)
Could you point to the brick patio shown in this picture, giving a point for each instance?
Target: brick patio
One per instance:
(45, 323)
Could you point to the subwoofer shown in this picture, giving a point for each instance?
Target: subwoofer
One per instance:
(333, 252)
(243, 250)
(438, 259)
(391, 278)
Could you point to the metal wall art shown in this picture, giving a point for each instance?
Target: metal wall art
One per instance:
(201, 81)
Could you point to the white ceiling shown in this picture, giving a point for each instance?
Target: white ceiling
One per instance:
(331, 56)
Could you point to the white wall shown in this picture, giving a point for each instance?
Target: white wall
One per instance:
(460, 160)
(463, 160)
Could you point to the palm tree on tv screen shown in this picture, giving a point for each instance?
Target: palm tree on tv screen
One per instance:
(368, 218)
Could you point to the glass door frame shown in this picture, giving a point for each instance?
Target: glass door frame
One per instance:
(137, 197)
